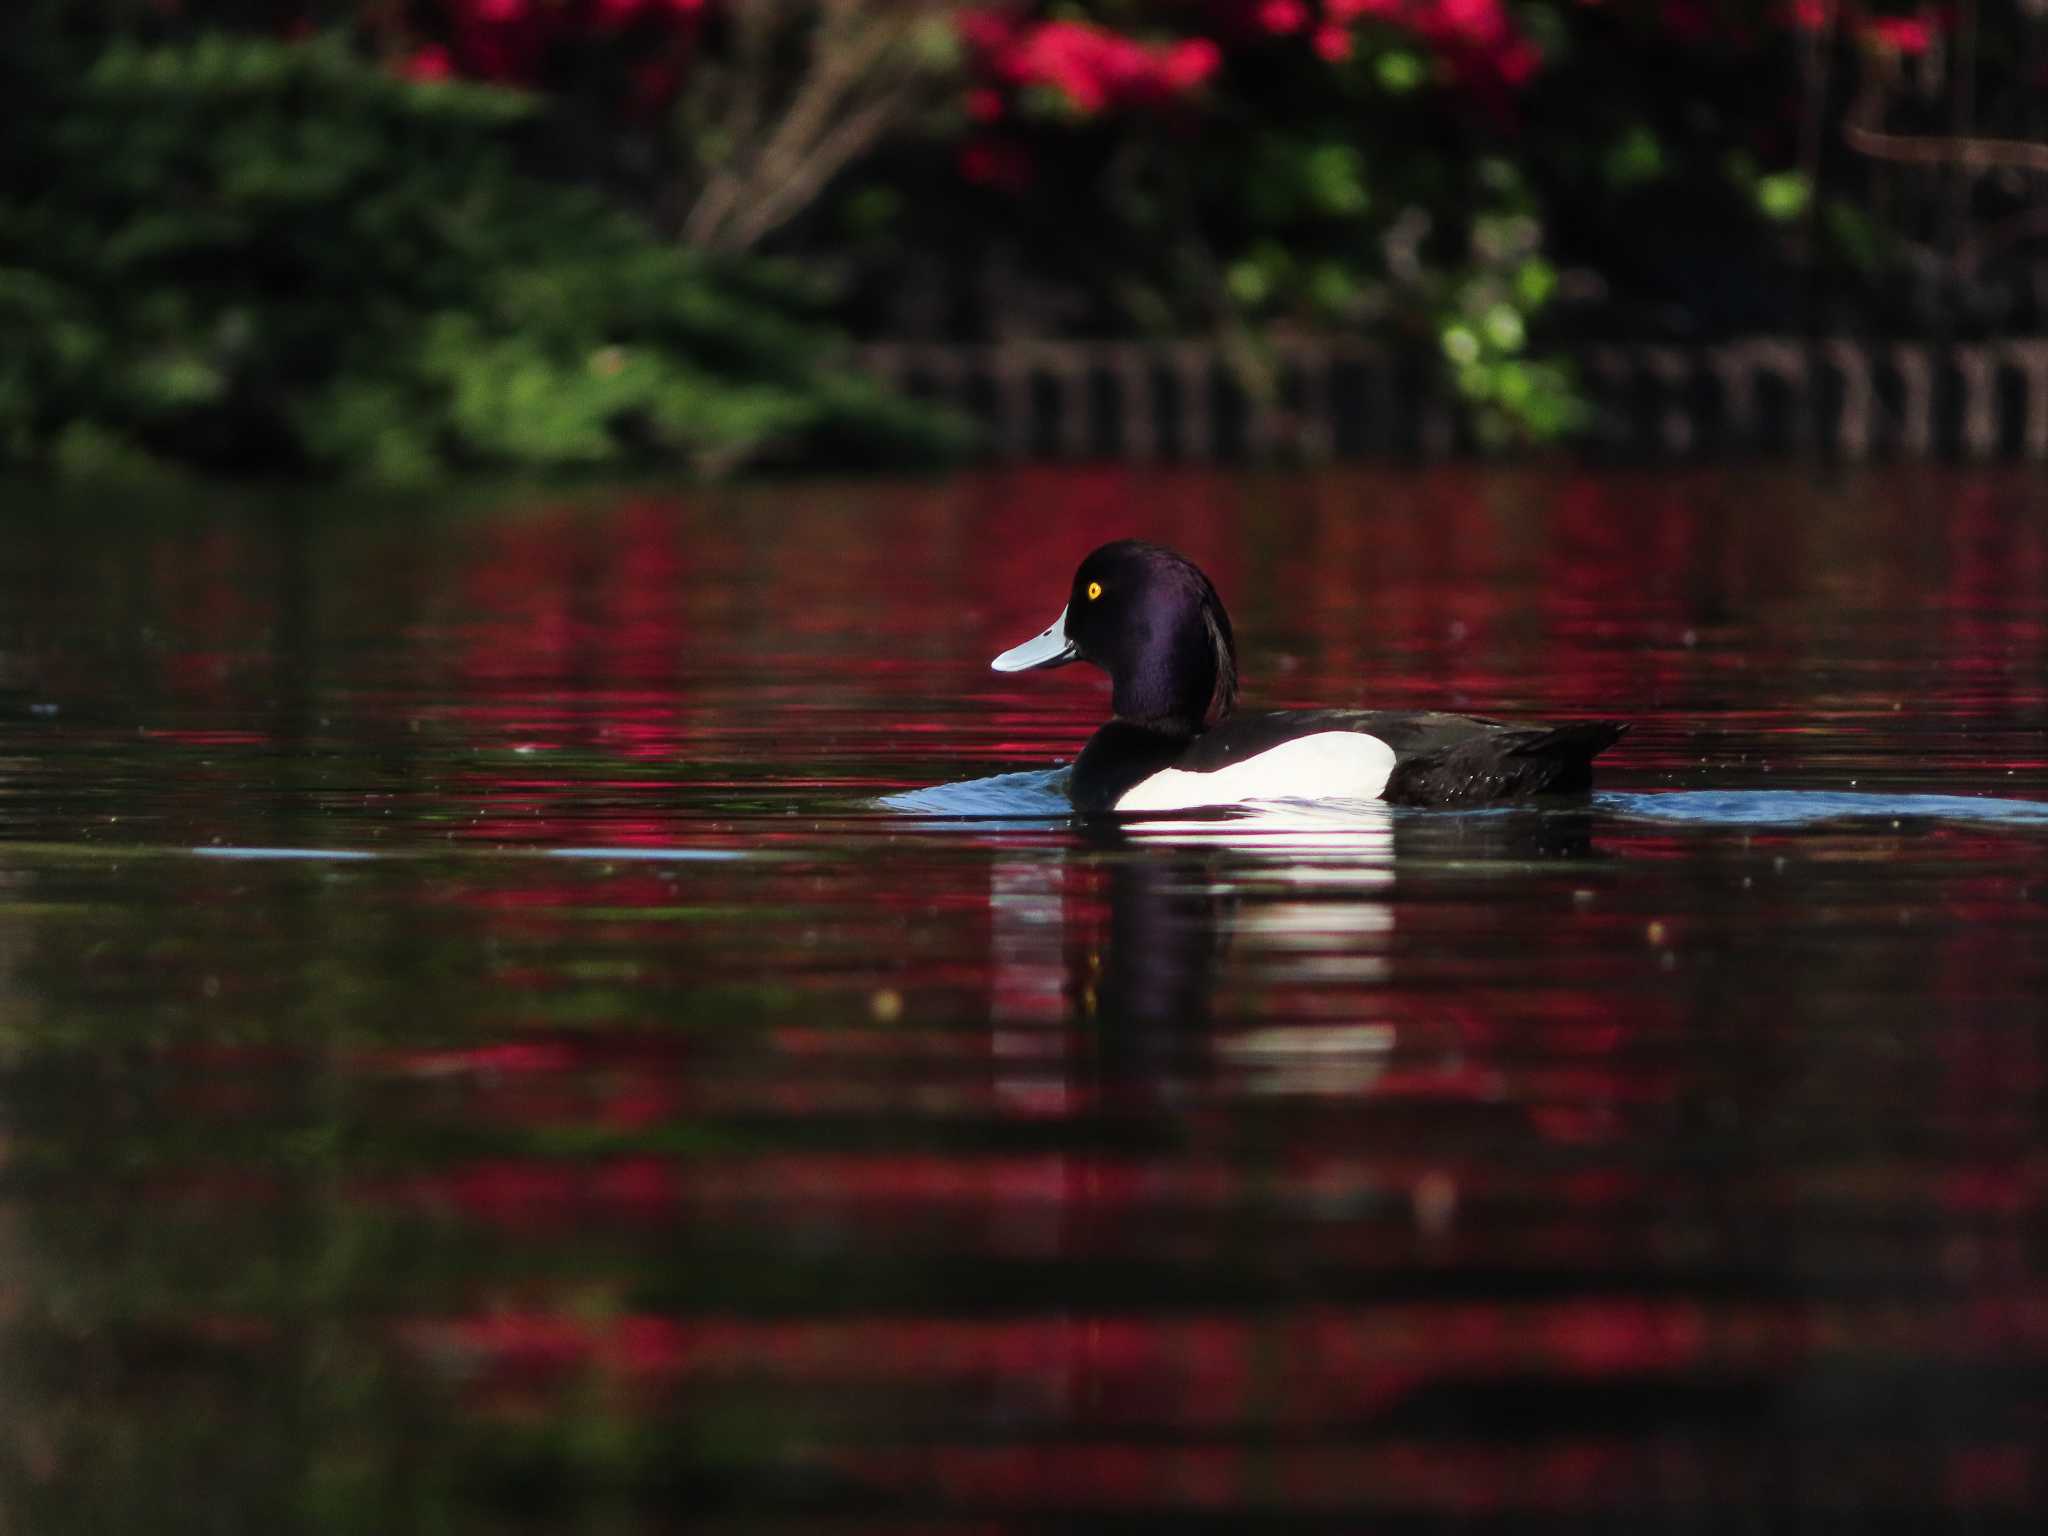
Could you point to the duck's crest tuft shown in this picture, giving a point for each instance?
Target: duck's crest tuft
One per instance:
(1217, 623)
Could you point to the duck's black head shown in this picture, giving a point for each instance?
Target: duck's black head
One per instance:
(1151, 620)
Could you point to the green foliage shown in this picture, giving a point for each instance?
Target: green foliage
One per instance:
(1783, 197)
(1634, 159)
(1485, 315)
(1365, 194)
(273, 257)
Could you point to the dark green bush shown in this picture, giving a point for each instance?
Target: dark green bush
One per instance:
(263, 257)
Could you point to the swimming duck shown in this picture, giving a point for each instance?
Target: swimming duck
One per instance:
(1150, 619)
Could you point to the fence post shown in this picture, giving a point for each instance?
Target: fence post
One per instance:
(1916, 400)
(2031, 358)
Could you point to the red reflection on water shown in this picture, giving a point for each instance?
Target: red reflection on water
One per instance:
(667, 633)
(1182, 1179)
(1214, 1370)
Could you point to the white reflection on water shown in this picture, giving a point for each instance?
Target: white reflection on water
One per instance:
(1028, 982)
(1030, 1065)
(1108, 958)
(1289, 830)
(1309, 1058)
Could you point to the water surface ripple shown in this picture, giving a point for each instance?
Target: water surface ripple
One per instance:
(592, 1014)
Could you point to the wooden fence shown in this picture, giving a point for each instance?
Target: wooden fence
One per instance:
(1844, 398)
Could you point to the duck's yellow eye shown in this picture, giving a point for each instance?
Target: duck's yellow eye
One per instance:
(1094, 590)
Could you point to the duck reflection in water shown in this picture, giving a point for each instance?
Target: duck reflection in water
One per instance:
(1248, 952)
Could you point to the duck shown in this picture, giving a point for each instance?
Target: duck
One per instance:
(1150, 618)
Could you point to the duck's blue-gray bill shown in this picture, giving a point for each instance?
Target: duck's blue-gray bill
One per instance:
(1050, 649)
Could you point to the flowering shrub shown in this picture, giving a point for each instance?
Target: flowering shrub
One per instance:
(1245, 163)
(1091, 67)
(1091, 63)
(1471, 179)
(526, 42)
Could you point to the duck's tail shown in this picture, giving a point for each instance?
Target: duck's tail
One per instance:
(1580, 742)
(1566, 753)
(1539, 760)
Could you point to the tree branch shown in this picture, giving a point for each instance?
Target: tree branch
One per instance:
(1862, 133)
(858, 80)
(1946, 149)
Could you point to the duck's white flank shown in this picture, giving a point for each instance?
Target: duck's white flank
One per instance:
(1330, 765)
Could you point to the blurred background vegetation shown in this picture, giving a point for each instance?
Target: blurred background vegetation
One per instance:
(398, 238)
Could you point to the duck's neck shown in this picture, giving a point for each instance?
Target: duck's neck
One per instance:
(1119, 755)
(1169, 687)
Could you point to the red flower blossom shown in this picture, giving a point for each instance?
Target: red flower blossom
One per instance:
(1282, 16)
(1909, 36)
(1094, 68)
(429, 63)
(1477, 38)
(517, 39)
(1519, 61)
(1188, 64)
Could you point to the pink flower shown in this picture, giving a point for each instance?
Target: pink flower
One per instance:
(1282, 16)
(1478, 39)
(984, 105)
(1094, 68)
(430, 63)
(1332, 44)
(1189, 63)
(1910, 36)
(1519, 61)
(990, 33)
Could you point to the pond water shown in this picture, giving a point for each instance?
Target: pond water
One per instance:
(541, 1013)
